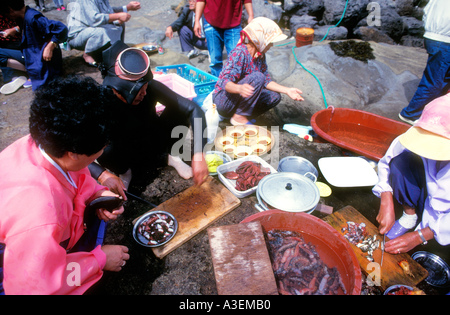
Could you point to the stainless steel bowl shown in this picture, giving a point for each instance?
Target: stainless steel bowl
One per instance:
(438, 269)
(144, 241)
(299, 165)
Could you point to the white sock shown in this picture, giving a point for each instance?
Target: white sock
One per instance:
(408, 221)
(182, 168)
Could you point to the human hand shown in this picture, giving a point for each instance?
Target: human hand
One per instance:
(116, 257)
(246, 90)
(123, 17)
(113, 182)
(403, 243)
(197, 29)
(169, 32)
(295, 94)
(386, 214)
(199, 168)
(133, 6)
(47, 54)
(106, 215)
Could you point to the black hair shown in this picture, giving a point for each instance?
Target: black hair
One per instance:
(5, 5)
(74, 114)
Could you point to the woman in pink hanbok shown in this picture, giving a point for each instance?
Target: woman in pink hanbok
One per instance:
(45, 187)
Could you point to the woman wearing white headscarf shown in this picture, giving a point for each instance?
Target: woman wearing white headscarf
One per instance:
(244, 89)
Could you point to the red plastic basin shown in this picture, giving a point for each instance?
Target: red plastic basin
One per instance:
(358, 131)
(332, 247)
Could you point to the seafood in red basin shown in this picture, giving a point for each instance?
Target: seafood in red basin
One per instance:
(298, 268)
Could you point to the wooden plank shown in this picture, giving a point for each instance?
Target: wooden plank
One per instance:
(241, 261)
(390, 271)
(195, 209)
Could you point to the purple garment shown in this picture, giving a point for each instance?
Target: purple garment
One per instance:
(242, 68)
(436, 212)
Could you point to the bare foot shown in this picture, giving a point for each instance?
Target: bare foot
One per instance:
(182, 168)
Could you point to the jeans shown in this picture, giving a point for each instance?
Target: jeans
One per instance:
(188, 40)
(6, 54)
(435, 80)
(216, 39)
(58, 3)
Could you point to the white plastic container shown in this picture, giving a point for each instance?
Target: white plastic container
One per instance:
(232, 166)
(212, 122)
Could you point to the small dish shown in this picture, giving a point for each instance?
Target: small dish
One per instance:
(264, 140)
(162, 227)
(242, 151)
(250, 131)
(259, 149)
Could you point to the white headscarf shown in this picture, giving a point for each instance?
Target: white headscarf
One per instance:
(262, 31)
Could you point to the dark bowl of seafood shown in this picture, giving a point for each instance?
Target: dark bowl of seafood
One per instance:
(155, 228)
(308, 255)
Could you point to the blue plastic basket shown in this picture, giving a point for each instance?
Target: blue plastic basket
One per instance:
(204, 83)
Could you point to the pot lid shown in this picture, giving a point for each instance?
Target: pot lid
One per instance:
(289, 192)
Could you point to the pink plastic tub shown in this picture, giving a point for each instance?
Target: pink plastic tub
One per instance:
(178, 84)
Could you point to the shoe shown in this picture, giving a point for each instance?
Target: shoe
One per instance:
(396, 231)
(13, 86)
(63, 8)
(58, 9)
(193, 53)
(27, 84)
(406, 120)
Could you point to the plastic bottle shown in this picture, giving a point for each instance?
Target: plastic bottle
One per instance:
(212, 122)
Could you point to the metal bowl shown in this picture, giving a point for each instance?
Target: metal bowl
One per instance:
(299, 165)
(144, 241)
(438, 269)
(396, 287)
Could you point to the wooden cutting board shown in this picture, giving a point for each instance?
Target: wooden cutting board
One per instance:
(390, 273)
(195, 209)
(241, 261)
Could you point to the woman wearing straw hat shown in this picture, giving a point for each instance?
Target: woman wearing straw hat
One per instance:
(244, 89)
(415, 172)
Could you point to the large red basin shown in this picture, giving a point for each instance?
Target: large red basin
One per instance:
(358, 131)
(333, 248)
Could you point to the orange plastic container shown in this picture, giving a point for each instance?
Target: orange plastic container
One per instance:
(304, 36)
(332, 247)
(358, 131)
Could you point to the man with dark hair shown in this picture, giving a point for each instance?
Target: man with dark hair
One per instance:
(46, 187)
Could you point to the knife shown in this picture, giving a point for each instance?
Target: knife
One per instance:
(382, 249)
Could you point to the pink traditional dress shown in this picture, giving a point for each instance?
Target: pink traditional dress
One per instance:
(41, 208)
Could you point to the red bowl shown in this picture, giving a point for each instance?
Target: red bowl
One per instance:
(333, 248)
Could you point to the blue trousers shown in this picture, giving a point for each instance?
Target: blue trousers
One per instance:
(188, 40)
(435, 80)
(6, 54)
(216, 39)
(408, 181)
(261, 101)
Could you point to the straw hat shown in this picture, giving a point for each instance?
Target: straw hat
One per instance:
(430, 135)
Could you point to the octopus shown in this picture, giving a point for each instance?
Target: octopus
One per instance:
(298, 268)
(247, 175)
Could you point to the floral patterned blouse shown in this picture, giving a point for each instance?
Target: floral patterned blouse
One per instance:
(240, 64)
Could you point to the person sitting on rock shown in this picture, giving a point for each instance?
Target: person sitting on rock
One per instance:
(94, 26)
(184, 25)
(244, 89)
(40, 41)
(12, 63)
(415, 173)
(145, 140)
